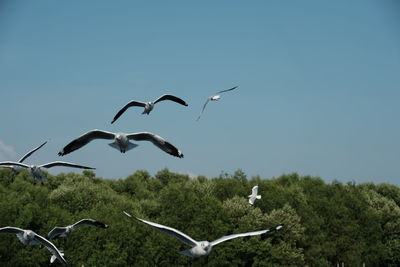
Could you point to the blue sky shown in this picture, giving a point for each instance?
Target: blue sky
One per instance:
(318, 85)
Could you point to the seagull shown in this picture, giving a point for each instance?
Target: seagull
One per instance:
(148, 106)
(18, 168)
(215, 97)
(199, 248)
(36, 170)
(121, 142)
(254, 195)
(64, 231)
(30, 238)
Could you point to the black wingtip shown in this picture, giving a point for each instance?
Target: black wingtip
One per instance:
(178, 154)
(102, 225)
(60, 153)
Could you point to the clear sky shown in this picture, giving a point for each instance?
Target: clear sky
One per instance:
(319, 85)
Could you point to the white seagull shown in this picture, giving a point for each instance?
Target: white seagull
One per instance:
(64, 231)
(18, 168)
(200, 248)
(254, 195)
(121, 142)
(30, 238)
(215, 97)
(36, 170)
(148, 106)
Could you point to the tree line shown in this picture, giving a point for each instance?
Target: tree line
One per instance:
(324, 223)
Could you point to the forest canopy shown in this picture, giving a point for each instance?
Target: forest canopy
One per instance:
(324, 224)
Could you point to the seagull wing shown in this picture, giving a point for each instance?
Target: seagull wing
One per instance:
(31, 152)
(172, 98)
(127, 214)
(172, 232)
(13, 163)
(254, 191)
(229, 237)
(204, 106)
(56, 232)
(157, 141)
(90, 222)
(85, 139)
(226, 90)
(51, 247)
(130, 104)
(65, 164)
(251, 199)
(11, 230)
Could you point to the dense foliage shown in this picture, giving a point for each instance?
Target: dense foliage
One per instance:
(324, 223)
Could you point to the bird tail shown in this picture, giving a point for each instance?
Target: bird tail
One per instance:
(129, 147)
(114, 145)
(258, 196)
(186, 253)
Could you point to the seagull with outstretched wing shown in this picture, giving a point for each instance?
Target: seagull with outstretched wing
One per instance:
(254, 196)
(148, 106)
(121, 142)
(214, 97)
(30, 238)
(199, 248)
(16, 169)
(36, 170)
(64, 231)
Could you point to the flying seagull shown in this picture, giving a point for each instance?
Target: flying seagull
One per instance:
(148, 106)
(30, 238)
(64, 231)
(199, 248)
(18, 168)
(36, 170)
(215, 97)
(254, 195)
(121, 142)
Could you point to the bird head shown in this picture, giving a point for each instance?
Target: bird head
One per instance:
(205, 245)
(121, 140)
(215, 97)
(29, 235)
